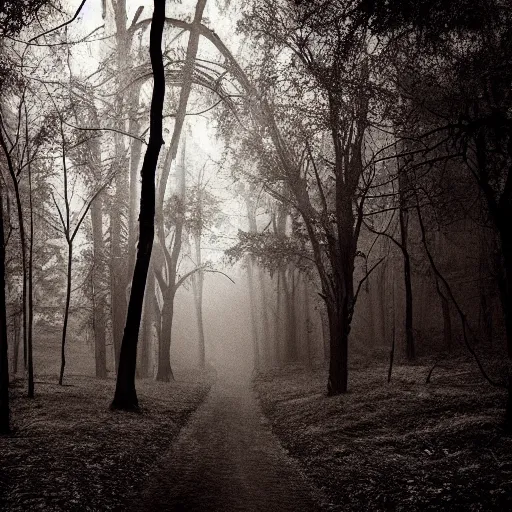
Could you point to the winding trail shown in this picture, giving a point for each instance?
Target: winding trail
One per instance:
(226, 459)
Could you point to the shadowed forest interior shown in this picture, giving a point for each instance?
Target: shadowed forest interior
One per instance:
(255, 255)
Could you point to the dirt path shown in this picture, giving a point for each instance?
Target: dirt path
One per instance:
(226, 459)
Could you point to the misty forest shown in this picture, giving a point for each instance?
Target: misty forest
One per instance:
(255, 255)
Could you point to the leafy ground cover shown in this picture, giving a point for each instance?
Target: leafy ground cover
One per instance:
(405, 446)
(69, 452)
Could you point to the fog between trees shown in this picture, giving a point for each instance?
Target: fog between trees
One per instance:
(250, 185)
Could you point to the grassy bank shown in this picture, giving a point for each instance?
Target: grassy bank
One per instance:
(69, 452)
(400, 446)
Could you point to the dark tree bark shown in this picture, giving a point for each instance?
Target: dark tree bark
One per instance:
(410, 349)
(30, 282)
(4, 358)
(23, 238)
(164, 371)
(125, 397)
(66, 314)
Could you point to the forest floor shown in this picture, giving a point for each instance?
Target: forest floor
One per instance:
(406, 445)
(69, 452)
(226, 460)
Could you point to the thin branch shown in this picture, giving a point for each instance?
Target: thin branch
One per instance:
(62, 24)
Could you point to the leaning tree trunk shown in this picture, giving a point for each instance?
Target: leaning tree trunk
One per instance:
(147, 327)
(4, 358)
(125, 396)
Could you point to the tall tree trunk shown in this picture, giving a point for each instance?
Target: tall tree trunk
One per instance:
(325, 338)
(291, 317)
(21, 225)
(99, 303)
(278, 322)
(16, 341)
(338, 338)
(307, 321)
(188, 71)
(169, 289)
(164, 372)
(340, 307)
(125, 396)
(4, 358)
(66, 314)
(410, 349)
(135, 154)
(30, 278)
(147, 327)
(197, 286)
(267, 341)
(118, 262)
(254, 314)
(117, 279)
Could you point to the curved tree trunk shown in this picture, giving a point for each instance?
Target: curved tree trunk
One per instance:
(125, 396)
